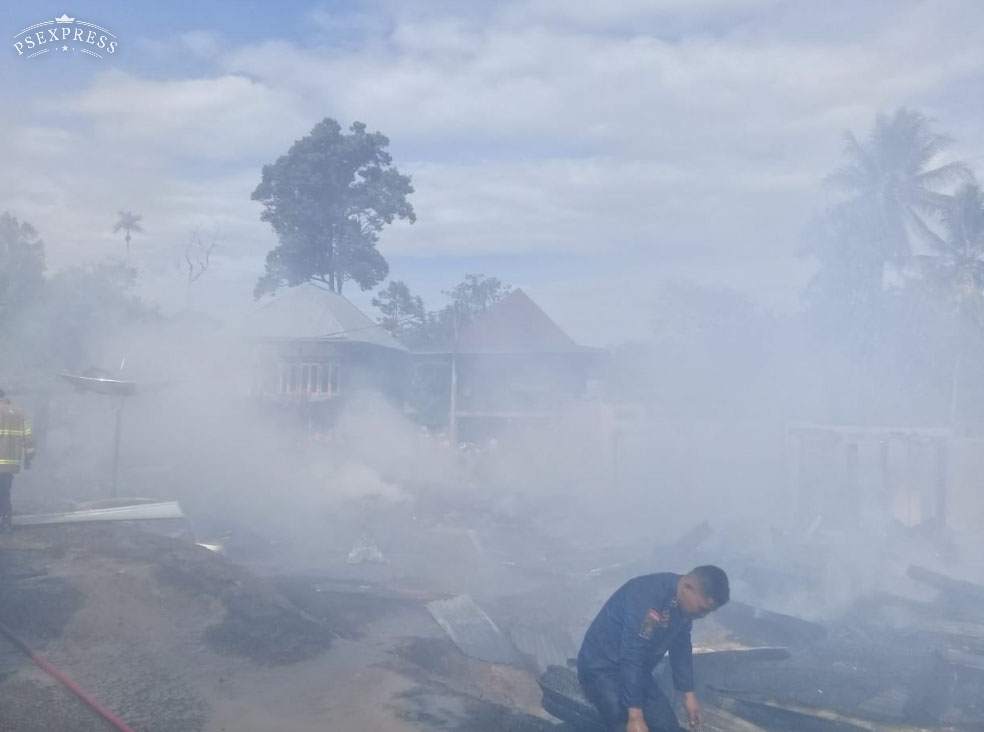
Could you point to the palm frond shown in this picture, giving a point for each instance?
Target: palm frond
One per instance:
(955, 171)
(924, 231)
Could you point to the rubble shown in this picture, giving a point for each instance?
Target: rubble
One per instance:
(469, 661)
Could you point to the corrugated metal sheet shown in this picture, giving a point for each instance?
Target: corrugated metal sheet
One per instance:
(141, 512)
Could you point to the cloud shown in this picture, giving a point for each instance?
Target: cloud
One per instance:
(201, 43)
(692, 135)
(597, 206)
(229, 117)
(630, 94)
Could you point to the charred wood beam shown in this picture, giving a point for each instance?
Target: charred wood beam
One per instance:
(778, 714)
(953, 588)
(758, 626)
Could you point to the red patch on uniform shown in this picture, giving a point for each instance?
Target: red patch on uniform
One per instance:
(654, 619)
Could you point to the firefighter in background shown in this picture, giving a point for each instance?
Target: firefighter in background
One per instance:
(16, 448)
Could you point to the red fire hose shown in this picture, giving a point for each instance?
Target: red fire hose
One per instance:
(81, 693)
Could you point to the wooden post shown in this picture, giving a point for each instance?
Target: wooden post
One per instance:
(852, 486)
(616, 458)
(942, 473)
(453, 406)
(887, 492)
(910, 483)
(117, 433)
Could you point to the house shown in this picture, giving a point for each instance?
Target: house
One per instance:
(312, 347)
(510, 365)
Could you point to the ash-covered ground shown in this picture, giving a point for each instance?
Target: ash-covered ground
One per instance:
(266, 635)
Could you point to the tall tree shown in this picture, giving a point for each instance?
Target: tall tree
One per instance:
(471, 297)
(403, 313)
(955, 269)
(476, 294)
(128, 222)
(955, 272)
(896, 179)
(86, 305)
(896, 183)
(198, 251)
(327, 200)
(21, 265)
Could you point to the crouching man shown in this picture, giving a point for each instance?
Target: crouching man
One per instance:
(646, 618)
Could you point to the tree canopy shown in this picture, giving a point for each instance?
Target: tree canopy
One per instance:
(955, 269)
(405, 316)
(327, 200)
(895, 177)
(21, 265)
(128, 222)
(403, 313)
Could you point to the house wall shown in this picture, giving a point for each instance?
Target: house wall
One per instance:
(909, 476)
(323, 374)
(521, 383)
(496, 391)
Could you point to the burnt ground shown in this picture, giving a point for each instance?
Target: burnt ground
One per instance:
(174, 638)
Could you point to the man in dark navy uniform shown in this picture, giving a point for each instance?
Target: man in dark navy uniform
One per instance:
(646, 618)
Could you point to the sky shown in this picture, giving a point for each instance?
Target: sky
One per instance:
(584, 151)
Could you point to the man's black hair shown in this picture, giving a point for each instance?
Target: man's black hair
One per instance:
(713, 582)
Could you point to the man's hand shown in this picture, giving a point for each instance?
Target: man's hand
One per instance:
(690, 703)
(637, 723)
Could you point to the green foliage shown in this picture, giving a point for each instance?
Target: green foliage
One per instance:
(475, 295)
(955, 269)
(63, 321)
(895, 190)
(86, 304)
(405, 316)
(880, 313)
(21, 266)
(327, 200)
(895, 179)
(470, 298)
(403, 312)
(127, 222)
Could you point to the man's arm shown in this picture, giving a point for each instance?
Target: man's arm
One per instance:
(682, 660)
(682, 665)
(633, 653)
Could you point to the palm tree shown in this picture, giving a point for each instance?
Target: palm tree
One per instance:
(956, 270)
(957, 267)
(894, 178)
(128, 222)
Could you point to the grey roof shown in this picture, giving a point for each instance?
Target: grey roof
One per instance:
(312, 312)
(516, 324)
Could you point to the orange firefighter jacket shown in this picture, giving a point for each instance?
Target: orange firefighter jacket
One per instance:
(16, 440)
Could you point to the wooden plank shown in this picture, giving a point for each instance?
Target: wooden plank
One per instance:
(717, 719)
(945, 584)
(815, 717)
(764, 627)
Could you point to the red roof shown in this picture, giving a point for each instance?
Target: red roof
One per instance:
(516, 324)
